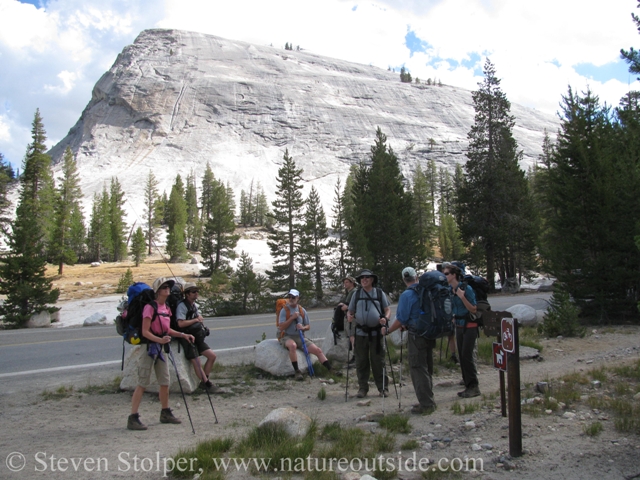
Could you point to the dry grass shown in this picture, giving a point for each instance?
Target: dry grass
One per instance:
(84, 281)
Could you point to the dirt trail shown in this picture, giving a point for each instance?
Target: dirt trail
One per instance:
(92, 425)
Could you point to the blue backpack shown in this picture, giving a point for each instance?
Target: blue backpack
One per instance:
(436, 306)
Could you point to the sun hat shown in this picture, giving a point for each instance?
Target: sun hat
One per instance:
(189, 286)
(160, 281)
(368, 273)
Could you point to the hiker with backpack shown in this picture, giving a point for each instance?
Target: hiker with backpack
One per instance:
(369, 308)
(156, 332)
(464, 310)
(190, 321)
(420, 348)
(349, 284)
(294, 319)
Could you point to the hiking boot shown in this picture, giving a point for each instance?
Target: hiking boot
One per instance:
(361, 393)
(337, 373)
(384, 393)
(166, 416)
(352, 361)
(210, 387)
(134, 423)
(420, 410)
(461, 382)
(470, 392)
(299, 376)
(454, 358)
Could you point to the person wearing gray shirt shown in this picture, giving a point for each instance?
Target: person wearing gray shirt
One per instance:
(369, 308)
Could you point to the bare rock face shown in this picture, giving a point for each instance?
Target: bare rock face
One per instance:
(271, 357)
(175, 100)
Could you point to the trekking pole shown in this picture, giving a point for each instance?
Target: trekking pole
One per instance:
(401, 345)
(206, 387)
(167, 349)
(346, 390)
(390, 366)
(306, 352)
(384, 376)
(441, 339)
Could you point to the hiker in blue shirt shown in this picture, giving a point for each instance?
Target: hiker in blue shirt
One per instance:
(464, 309)
(420, 348)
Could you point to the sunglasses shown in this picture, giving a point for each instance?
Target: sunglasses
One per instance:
(291, 296)
(448, 273)
(192, 291)
(164, 286)
(366, 276)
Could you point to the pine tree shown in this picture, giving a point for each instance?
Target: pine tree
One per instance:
(138, 246)
(193, 227)
(99, 240)
(493, 201)
(339, 230)
(423, 211)
(67, 202)
(284, 241)
(261, 208)
(6, 178)
(37, 191)
(590, 181)
(117, 223)
(218, 240)
(314, 243)
(382, 205)
(24, 283)
(244, 284)
(151, 217)
(632, 56)
(176, 214)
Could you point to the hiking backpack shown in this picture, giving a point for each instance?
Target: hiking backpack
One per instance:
(338, 319)
(367, 298)
(436, 306)
(280, 304)
(480, 286)
(129, 322)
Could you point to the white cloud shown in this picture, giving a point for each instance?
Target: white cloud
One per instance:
(52, 57)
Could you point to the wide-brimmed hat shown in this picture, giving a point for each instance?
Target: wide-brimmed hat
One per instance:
(160, 281)
(189, 286)
(367, 272)
(350, 278)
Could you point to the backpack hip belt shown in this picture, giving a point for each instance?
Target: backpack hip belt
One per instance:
(368, 331)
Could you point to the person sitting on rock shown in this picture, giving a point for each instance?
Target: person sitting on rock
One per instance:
(190, 321)
(294, 318)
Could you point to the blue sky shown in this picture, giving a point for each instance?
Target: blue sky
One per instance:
(53, 52)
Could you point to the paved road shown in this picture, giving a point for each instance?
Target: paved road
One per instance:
(74, 353)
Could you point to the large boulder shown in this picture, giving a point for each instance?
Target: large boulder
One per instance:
(273, 358)
(39, 320)
(525, 314)
(188, 377)
(398, 337)
(95, 319)
(296, 423)
(338, 352)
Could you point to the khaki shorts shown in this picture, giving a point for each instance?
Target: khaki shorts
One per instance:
(161, 368)
(295, 338)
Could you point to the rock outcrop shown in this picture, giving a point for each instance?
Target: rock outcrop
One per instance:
(175, 100)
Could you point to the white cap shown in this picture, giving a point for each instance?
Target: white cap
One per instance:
(294, 292)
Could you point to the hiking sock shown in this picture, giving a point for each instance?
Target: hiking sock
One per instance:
(327, 365)
(295, 366)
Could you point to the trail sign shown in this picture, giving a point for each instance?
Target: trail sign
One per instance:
(507, 335)
(499, 357)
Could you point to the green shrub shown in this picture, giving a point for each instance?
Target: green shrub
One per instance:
(125, 281)
(561, 317)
